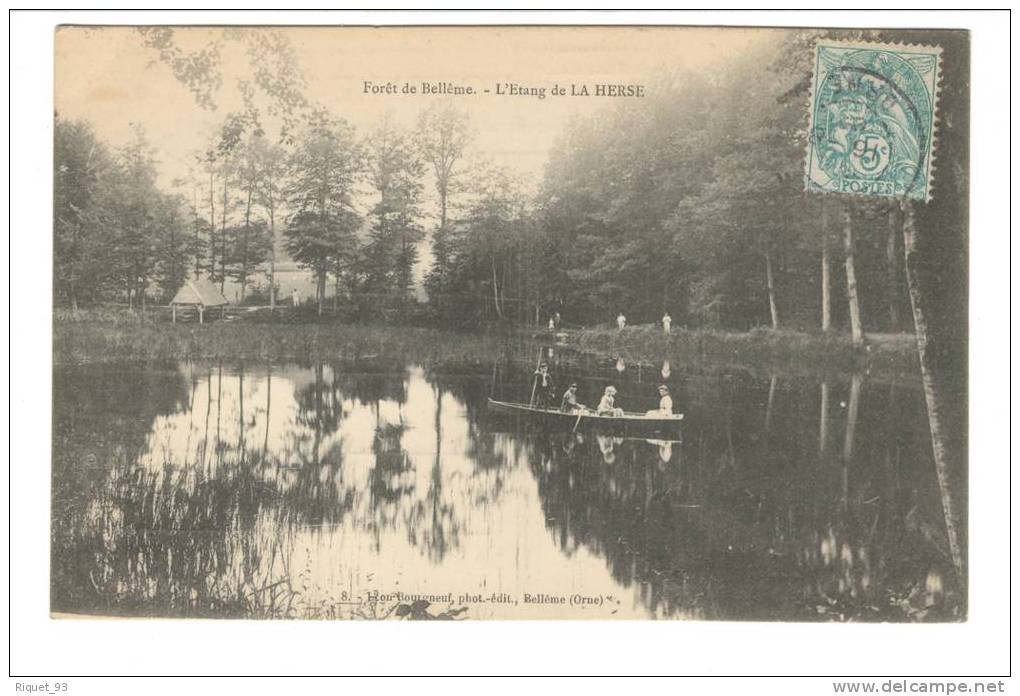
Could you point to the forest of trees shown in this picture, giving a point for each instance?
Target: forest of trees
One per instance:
(689, 201)
(347, 207)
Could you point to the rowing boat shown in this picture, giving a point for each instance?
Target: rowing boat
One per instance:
(554, 418)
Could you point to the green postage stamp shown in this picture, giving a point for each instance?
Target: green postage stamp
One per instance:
(873, 119)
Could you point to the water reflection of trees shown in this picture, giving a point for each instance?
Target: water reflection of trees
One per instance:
(190, 537)
(752, 520)
(102, 418)
(201, 515)
(196, 491)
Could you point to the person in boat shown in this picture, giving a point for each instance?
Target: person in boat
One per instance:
(607, 406)
(545, 391)
(665, 403)
(569, 402)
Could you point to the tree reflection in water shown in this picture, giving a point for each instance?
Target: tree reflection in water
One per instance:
(288, 491)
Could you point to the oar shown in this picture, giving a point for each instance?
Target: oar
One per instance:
(534, 384)
(577, 422)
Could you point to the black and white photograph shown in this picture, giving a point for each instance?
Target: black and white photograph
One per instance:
(510, 323)
(351, 342)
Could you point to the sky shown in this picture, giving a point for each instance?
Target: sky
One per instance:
(107, 75)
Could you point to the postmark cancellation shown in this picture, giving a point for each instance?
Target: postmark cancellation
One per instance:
(873, 119)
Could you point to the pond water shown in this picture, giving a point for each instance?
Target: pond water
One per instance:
(379, 489)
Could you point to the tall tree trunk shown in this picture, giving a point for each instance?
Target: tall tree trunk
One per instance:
(931, 390)
(770, 282)
(826, 279)
(272, 259)
(174, 280)
(173, 257)
(769, 404)
(823, 419)
(502, 290)
(856, 331)
(244, 243)
(892, 261)
(212, 227)
(336, 288)
(440, 249)
(198, 227)
(495, 289)
(852, 409)
(442, 205)
(223, 239)
(320, 286)
(405, 270)
(73, 266)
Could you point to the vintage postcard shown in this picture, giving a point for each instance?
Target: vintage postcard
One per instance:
(499, 323)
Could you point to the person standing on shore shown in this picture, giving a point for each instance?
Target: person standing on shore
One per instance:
(295, 298)
(621, 321)
(667, 323)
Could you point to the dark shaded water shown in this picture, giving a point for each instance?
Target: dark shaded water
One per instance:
(302, 491)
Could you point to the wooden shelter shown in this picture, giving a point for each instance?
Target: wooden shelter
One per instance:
(200, 293)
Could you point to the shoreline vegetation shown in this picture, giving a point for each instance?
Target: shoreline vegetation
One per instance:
(104, 336)
(762, 350)
(119, 335)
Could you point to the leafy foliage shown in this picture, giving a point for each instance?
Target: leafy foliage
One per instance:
(689, 202)
(324, 168)
(395, 171)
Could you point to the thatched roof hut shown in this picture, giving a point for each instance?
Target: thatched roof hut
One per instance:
(199, 292)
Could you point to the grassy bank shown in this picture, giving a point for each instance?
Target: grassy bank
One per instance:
(779, 351)
(118, 335)
(110, 336)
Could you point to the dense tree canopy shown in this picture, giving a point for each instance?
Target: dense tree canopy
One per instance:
(115, 231)
(688, 201)
(324, 171)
